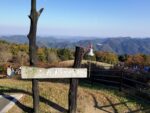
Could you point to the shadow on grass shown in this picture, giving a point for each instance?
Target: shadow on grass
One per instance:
(113, 106)
(63, 81)
(144, 105)
(27, 109)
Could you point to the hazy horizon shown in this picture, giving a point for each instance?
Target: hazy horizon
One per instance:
(67, 36)
(96, 18)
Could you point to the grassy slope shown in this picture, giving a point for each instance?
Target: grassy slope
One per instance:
(90, 99)
(69, 63)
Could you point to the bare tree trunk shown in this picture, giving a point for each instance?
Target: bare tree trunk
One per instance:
(34, 16)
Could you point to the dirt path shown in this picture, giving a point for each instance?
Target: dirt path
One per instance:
(89, 104)
(91, 109)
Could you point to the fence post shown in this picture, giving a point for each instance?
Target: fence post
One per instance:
(74, 81)
(121, 81)
(90, 78)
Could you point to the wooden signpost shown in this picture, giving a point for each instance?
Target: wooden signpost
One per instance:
(39, 73)
(73, 74)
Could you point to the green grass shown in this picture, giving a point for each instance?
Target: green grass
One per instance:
(55, 93)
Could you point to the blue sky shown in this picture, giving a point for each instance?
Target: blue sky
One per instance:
(78, 17)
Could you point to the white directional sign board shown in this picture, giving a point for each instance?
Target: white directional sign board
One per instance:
(42, 73)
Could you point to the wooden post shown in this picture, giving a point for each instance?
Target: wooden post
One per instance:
(121, 81)
(34, 16)
(74, 82)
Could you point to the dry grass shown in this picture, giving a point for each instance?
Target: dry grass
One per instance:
(69, 63)
(90, 99)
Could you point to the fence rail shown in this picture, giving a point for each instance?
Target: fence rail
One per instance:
(135, 81)
(103, 80)
(121, 81)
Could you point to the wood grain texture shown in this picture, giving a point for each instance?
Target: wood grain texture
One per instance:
(42, 73)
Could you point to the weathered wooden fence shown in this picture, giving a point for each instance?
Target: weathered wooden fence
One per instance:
(121, 80)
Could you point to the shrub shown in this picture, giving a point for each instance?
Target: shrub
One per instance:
(65, 54)
(107, 57)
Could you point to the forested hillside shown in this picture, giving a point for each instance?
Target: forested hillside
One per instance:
(120, 45)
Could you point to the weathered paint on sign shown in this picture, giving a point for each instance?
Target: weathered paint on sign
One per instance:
(42, 73)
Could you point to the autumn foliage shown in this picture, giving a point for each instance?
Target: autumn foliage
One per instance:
(19, 55)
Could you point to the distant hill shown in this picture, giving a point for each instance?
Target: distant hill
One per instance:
(119, 45)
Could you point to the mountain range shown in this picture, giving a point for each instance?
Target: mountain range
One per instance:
(118, 45)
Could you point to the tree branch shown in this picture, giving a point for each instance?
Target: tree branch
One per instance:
(40, 11)
(30, 17)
